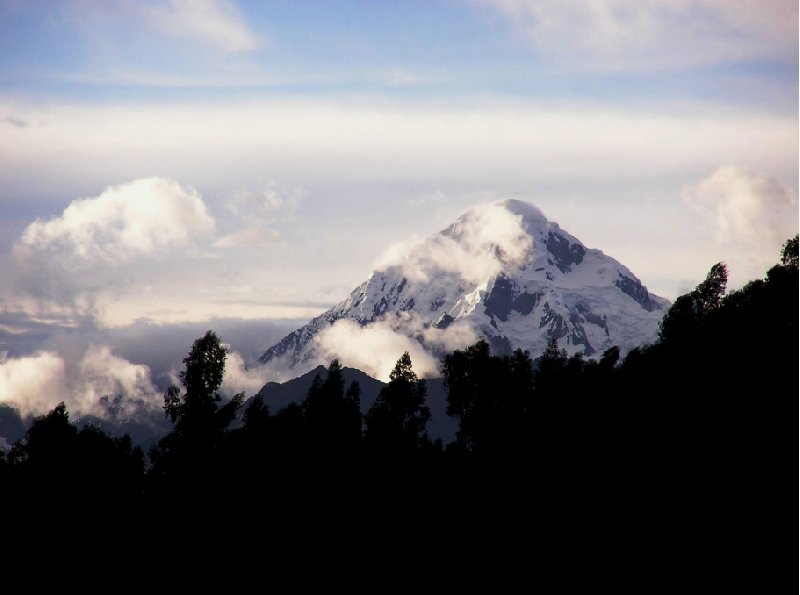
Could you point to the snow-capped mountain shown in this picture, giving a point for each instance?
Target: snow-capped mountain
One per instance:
(502, 272)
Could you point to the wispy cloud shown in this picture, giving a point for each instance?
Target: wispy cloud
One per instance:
(216, 22)
(273, 197)
(249, 236)
(610, 35)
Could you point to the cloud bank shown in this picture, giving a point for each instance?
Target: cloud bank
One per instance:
(34, 384)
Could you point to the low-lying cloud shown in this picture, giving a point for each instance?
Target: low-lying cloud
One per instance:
(239, 377)
(34, 384)
(374, 348)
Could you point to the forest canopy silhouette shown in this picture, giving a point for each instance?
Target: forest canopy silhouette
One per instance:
(699, 409)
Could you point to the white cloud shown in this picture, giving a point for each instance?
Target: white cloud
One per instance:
(746, 206)
(480, 244)
(35, 384)
(216, 22)
(32, 384)
(751, 216)
(96, 244)
(239, 378)
(373, 349)
(145, 217)
(101, 373)
(645, 34)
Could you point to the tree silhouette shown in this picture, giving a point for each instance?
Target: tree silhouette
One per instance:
(333, 418)
(189, 455)
(789, 253)
(490, 396)
(55, 458)
(395, 424)
(690, 311)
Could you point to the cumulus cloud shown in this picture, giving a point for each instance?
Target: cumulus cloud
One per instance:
(643, 34)
(141, 218)
(215, 22)
(480, 244)
(102, 373)
(35, 384)
(32, 384)
(751, 215)
(69, 260)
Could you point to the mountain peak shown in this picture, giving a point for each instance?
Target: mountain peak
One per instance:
(529, 212)
(502, 272)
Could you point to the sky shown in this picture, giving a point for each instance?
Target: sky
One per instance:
(171, 166)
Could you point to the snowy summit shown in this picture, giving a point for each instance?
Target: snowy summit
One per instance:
(501, 272)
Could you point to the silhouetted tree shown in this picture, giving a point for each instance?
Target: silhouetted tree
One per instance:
(690, 311)
(395, 424)
(55, 458)
(491, 397)
(789, 253)
(188, 456)
(333, 418)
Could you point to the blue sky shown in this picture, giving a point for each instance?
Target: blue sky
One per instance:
(119, 50)
(253, 160)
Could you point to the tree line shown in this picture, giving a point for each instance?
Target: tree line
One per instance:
(699, 410)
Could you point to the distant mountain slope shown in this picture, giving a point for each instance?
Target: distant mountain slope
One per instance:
(278, 395)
